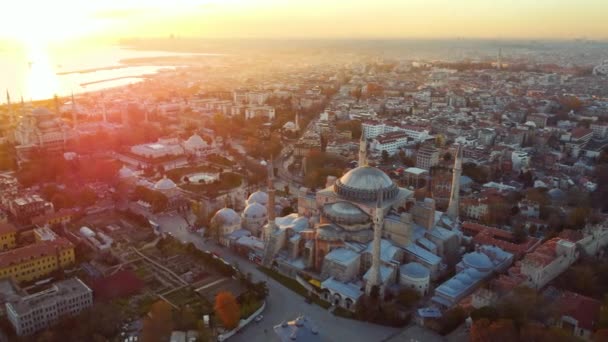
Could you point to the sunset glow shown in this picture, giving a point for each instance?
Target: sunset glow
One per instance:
(38, 21)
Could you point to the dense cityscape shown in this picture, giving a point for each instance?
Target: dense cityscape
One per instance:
(322, 191)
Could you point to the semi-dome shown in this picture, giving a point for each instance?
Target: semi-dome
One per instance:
(415, 270)
(258, 197)
(195, 142)
(478, 261)
(557, 195)
(125, 172)
(164, 184)
(227, 217)
(345, 213)
(363, 184)
(254, 210)
(41, 112)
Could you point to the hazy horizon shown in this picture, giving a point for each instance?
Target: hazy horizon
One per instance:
(68, 20)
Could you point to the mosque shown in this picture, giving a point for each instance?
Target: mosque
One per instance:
(359, 233)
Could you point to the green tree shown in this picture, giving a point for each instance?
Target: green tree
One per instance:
(159, 323)
(385, 156)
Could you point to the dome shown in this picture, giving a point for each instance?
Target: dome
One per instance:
(227, 217)
(50, 123)
(478, 261)
(42, 112)
(164, 184)
(345, 213)
(255, 210)
(258, 197)
(415, 270)
(195, 142)
(557, 194)
(125, 172)
(363, 183)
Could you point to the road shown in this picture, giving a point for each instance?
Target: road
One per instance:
(282, 304)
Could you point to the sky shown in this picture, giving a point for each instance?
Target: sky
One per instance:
(43, 21)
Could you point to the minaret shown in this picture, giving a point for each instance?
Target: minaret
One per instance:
(297, 121)
(374, 272)
(74, 113)
(270, 227)
(11, 116)
(362, 151)
(499, 59)
(145, 113)
(105, 112)
(454, 206)
(271, 201)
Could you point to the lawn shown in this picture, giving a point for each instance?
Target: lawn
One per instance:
(227, 181)
(177, 174)
(183, 296)
(217, 159)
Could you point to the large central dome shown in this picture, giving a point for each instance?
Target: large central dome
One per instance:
(364, 183)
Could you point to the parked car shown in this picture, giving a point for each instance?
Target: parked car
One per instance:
(259, 318)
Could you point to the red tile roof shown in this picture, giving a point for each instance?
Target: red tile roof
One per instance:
(485, 235)
(584, 309)
(580, 132)
(34, 251)
(6, 228)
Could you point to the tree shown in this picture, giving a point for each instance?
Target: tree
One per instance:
(578, 217)
(600, 335)
(485, 312)
(385, 156)
(286, 211)
(440, 140)
(159, 322)
(408, 297)
(501, 330)
(519, 234)
(227, 309)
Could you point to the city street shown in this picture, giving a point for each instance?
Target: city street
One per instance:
(282, 303)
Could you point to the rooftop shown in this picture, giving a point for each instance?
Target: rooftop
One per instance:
(33, 251)
(7, 228)
(349, 290)
(68, 287)
(342, 256)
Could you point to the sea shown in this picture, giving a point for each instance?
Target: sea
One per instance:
(38, 74)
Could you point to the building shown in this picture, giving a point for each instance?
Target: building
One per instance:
(548, 261)
(520, 160)
(427, 157)
(166, 153)
(539, 119)
(224, 223)
(391, 142)
(37, 260)
(471, 271)
(580, 315)
(600, 131)
(27, 207)
(266, 112)
(40, 128)
(372, 129)
(162, 148)
(61, 216)
(415, 276)
(415, 177)
(8, 234)
(32, 313)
